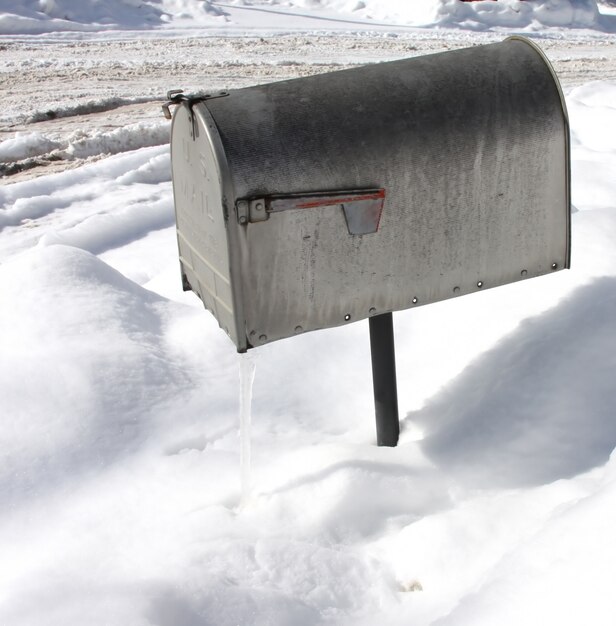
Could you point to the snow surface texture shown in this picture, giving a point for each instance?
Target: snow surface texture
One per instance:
(120, 493)
(45, 16)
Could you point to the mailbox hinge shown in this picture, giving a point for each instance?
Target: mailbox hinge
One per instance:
(253, 210)
(243, 215)
(177, 96)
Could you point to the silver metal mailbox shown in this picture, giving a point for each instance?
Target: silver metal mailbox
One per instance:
(319, 201)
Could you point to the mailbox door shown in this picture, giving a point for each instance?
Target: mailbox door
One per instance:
(201, 217)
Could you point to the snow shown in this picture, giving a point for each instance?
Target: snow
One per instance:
(479, 15)
(40, 16)
(24, 145)
(48, 16)
(121, 493)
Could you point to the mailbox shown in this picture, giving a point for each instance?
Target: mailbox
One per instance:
(319, 201)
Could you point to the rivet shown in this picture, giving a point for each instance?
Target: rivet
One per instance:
(554, 266)
(262, 337)
(523, 272)
(299, 329)
(243, 219)
(480, 284)
(456, 289)
(259, 206)
(347, 317)
(414, 300)
(372, 310)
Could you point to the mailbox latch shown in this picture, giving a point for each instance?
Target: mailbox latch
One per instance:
(362, 208)
(177, 96)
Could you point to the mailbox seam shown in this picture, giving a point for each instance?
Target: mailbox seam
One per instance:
(201, 258)
(216, 297)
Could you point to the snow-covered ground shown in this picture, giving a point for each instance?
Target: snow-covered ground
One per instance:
(120, 494)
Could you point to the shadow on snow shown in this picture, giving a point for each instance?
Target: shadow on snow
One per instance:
(538, 407)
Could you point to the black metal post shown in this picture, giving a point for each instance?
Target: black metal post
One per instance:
(384, 379)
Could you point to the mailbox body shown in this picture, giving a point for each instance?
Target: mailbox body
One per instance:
(455, 164)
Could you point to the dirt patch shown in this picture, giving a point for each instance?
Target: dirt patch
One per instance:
(78, 89)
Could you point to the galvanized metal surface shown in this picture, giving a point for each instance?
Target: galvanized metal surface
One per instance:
(203, 239)
(471, 147)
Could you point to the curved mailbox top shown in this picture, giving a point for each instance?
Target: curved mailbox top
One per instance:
(317, 201)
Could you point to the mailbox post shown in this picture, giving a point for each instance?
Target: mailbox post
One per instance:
(319, 201)
(384, 379)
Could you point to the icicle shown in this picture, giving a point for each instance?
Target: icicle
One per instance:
(247, 376)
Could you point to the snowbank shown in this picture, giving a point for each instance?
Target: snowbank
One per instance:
(24, 145)
(43, 16)
(25, 150)
(533, 14)
(39, 16)
(479, 15)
